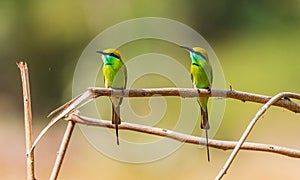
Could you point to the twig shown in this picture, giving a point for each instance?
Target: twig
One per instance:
(68, 108)
(62, 150)
(63, 106)
(94, 92)
(250, 127)
(28, 119)
(219, 144)
(191, 92)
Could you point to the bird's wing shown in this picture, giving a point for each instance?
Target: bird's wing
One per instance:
(120, 79)
(125, 76)
(102, 72)
(210, 75)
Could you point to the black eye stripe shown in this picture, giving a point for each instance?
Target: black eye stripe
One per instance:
(114, 55)
(200, 54)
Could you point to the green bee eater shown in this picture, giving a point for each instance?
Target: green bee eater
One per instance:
(201, 74)
(115, 76)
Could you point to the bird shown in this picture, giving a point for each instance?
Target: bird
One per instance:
(115, 76)
(202, 76)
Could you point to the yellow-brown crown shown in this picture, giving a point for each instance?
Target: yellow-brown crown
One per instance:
(113, 52)
(201, 51)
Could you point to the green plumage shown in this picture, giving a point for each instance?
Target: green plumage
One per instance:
(114, 76)
(201, 75)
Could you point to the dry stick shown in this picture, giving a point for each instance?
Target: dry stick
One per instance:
(191, 93)
(250, 127)
(69, 108)
(63, 106)
(28, 119)
(62, 150)
(94, 92)
(219, 144)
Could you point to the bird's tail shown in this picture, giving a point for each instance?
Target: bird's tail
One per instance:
(206, 127)
(116, 120)
(204, 119)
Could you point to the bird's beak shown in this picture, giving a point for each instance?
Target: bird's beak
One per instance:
(187, 48)
(101, 52)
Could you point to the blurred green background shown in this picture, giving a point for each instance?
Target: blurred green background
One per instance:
(257, 43)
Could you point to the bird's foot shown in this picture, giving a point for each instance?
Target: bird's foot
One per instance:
(198, 90)
(209, 90)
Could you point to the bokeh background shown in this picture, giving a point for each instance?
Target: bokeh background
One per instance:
(257, 43)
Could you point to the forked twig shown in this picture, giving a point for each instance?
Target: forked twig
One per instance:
(63, 106)
(250, 127)
(68, 108)
(28, 119)
(93, 92)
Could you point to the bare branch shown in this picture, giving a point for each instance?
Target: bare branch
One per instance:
(68, 108)
(250, 127)
(192, 92)
(28, 119)
(62, 150)
(63, 106)
(94, 92)
(218, 144)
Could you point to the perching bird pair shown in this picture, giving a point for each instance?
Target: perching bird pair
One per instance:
(115, 76)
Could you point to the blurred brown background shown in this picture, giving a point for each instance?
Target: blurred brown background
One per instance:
(257, 43)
